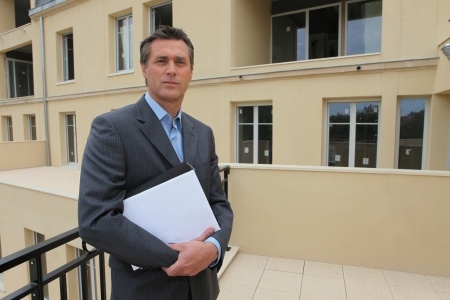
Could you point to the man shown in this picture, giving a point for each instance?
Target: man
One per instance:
(134, 144)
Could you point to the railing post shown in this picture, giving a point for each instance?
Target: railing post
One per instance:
(36, 277)
(101, 258)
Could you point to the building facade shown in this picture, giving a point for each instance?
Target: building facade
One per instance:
(353, 95)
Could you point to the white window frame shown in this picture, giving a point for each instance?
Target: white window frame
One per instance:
(306, 11)
(9, 79)
(74, 137)
(153, 15)
(255, 129)
(9, 129)
(128, 49)
(65, 49)
(352, 134)
(32, 127)
(425, 130)
(346, 29)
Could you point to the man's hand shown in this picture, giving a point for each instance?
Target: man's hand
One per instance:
(193, 256)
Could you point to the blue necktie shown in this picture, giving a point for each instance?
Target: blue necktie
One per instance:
(176, 138)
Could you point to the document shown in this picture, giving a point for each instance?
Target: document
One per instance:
(174, 211)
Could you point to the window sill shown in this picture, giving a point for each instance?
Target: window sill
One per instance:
(121, 73)
(65, 82)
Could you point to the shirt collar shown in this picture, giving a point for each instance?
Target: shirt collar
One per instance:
(159, 111)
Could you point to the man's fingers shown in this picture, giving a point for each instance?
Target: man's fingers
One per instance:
(206, 234)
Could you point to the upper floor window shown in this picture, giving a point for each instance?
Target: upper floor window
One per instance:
(254, 134)
(353, 134)
(161, 15)
(363, 27)
(68, 62)
(20, 78)
(412, 121)
(301, 32)
(124, 43)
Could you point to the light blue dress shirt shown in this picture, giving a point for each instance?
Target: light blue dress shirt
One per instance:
(174, 131)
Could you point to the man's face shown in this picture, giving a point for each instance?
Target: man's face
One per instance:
(168, 71)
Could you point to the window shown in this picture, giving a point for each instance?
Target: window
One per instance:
(20, 78)
(124, 43)
(301, 31)
(363, 27)
(86, 279)
(161, 15)
(68, 62)
(39, 238)
(412, 122)
(31, 134)
(71, 139)
(254, 136)
(8, 132)
(353, 134)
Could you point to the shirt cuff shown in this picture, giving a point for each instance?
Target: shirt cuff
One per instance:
(219, 250)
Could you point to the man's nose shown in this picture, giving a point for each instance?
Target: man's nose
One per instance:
(171, 68)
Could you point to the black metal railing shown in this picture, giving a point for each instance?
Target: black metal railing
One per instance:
(38, 280)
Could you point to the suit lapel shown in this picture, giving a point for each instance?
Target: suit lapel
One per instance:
(189, 140)
(152, 129)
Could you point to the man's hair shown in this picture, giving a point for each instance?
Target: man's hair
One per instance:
(165, 33)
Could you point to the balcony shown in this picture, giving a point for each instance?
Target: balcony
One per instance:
(348, 234)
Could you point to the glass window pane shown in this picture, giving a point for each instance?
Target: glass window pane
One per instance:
(246, 114)
(265, 114)
(339, 112)
(11, 77)
(265, 144)
(289, 37)
(367, 112)
(324, 32)
(366, 146)
(245, 144)
(338, 146)
(412, 120)
(364, 27)
(162, 15)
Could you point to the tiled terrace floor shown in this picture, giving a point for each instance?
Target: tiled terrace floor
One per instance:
(252, 277)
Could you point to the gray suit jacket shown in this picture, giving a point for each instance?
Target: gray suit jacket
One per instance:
(126, 148)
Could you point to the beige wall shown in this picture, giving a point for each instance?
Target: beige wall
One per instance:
(394, 220)
(22, 155)
(24, 211)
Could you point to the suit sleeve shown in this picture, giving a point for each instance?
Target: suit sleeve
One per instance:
(219, 204)
(100, 203)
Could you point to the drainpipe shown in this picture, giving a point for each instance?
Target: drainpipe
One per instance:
(44, 91)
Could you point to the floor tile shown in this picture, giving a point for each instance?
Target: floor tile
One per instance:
(367, 289)
(323, 287)
(233, 292)
(252, 261)
(440, 284)
(409, 293)
(281, 281)
(444, 296)
(265, 294)
(238, 275)
(323, 269)
(407, 280)
(287, 265)
(373, 275)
